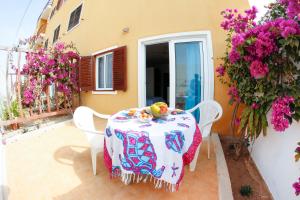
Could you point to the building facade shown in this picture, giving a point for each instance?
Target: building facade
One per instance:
(138, 52)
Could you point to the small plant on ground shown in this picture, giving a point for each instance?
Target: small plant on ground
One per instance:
(10, 112)
(246, 191)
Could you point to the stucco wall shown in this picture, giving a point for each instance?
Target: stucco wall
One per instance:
(101, 27)
(274, 157)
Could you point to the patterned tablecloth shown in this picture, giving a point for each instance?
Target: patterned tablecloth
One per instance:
(156, 151)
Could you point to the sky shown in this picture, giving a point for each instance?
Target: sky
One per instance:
(259, 4)
(11, 12)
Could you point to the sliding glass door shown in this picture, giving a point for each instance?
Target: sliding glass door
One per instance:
(186, 70)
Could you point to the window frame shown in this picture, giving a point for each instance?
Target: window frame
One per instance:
(46, 44)
(58, 27)
(52, 13)
(104, 56)
(70, 29)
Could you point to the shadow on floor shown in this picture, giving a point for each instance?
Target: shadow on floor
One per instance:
(201, 184)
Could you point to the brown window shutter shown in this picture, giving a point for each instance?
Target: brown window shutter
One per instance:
(120, 69)
(86, 82)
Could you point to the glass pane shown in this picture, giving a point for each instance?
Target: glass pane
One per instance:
(188, 75)
(100, 83)
(108, 70)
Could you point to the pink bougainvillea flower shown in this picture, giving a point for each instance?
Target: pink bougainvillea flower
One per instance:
(293, 8)
(296, 186)
(220, 70)
(258, 69)
(237, 22)
(234, 56)
(255, 106)
(288, 27)
(238, 40)
(281, 112)
(59, 46)
(44, 68)
(237, 121)
(233, 92)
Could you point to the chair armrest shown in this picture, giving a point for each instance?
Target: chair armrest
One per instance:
(101, 115)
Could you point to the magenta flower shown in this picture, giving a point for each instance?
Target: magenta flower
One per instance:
(258, 69)
(51, 62)
(220, 70)
(237, 22)
(293, 8)
(233, 92)
(238, 40)
(281, 112)
(296, 186)
(59, 46)
(255, 106)
(58, 66)
(288, 27)
(237, 121)
(234, 56)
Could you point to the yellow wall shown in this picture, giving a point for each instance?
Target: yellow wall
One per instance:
(101, 27)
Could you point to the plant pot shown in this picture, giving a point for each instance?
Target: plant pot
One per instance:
(14, 126)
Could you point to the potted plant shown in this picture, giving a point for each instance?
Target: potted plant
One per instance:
(15, 113)
(11, 112)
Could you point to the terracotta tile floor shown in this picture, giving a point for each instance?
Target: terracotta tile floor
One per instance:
(57, 165)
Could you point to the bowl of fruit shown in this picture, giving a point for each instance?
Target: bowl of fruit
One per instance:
(145, 117)
(159, 109)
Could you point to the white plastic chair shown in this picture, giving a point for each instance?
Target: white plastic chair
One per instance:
(210, 111)
(83, 119)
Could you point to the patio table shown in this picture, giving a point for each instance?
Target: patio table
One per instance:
(155, 151)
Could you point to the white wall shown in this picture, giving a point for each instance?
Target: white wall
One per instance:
(274, 157)
(260, 5)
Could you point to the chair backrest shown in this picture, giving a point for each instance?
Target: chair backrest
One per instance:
(83, 118)
(210, 111)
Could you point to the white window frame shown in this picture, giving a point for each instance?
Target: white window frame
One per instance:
(208, 71)
(104, 56)
(81, 4)
(53, 42)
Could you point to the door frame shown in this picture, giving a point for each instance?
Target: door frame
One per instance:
(208, 76)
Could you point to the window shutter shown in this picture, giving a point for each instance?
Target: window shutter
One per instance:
(119, 69)
(86, 82)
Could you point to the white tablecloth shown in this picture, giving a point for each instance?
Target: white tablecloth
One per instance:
(155, 151)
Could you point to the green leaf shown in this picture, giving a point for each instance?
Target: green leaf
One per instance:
(244, 119)
(251, 125)
(264, 123)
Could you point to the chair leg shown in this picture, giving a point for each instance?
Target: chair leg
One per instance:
(194, 161)
(94, 160)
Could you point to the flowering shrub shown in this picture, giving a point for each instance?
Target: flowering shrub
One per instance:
(58, 66)
(260, 65)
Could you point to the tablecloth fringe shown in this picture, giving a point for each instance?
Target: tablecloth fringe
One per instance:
(128, 178)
